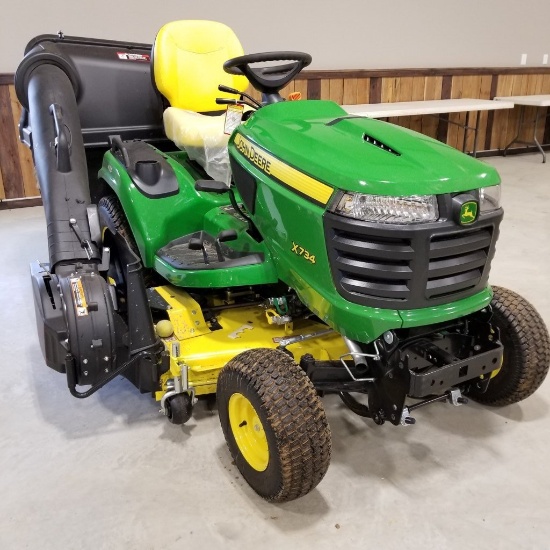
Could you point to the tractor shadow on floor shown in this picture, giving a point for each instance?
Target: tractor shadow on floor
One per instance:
(441, 439)
(115, 407)
(296, 515)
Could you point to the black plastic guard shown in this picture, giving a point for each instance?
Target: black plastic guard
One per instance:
(92, 329)
(50, 322)
(150, 171)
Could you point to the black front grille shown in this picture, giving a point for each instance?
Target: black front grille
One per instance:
(376, 266)
(408, 267)
(457, 262)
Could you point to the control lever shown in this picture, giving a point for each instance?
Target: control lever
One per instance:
(84, 243)
(218, 187)
(229, 90)
(197, 243)
(62, 139)
(223, 237)
(211, 186)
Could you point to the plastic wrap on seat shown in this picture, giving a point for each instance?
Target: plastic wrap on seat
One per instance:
(202, 138)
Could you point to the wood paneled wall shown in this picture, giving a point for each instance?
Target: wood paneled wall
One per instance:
(17, 179)
(497, 128)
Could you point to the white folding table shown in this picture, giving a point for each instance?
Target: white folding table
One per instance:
(432, 107)
(527, 101)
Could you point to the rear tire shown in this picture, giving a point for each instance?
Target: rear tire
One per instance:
(526, 350)
(113, 219)
(112, 216)
(274, 424)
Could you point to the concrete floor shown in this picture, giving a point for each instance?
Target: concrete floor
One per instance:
(109, 472)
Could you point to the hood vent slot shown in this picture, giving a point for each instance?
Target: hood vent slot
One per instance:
(380, 145)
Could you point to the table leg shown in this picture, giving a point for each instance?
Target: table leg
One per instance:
(527, 143)
(474, 129)
(466, 127)
(520, 124)
(474, 152)
(535, 137)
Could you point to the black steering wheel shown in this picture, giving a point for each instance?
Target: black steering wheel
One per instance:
(271, 79)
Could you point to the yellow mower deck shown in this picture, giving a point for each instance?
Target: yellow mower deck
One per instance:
(204, 352)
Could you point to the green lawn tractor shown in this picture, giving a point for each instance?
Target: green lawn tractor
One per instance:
(205, 242)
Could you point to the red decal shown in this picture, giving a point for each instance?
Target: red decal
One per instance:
(131, 56)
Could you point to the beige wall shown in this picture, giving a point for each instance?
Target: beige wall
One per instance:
(344, 34)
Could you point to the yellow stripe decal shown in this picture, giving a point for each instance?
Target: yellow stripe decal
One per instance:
(288, 175)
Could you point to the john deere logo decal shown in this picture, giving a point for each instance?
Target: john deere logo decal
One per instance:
(468, 212)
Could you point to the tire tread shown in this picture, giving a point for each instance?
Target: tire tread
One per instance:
(530, 346)
(295, 413)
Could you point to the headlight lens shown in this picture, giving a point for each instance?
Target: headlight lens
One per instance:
(489, 198)
(384, 209)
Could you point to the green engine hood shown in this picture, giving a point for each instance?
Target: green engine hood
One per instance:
(362, 154)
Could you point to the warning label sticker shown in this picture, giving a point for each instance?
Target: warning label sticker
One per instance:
(132, 56)
(79, 298)
(233, 117)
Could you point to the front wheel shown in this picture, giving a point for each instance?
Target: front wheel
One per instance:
(274, 424)
(526, 350)
(178, 409)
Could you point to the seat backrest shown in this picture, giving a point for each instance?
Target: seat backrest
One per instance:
(188, 58)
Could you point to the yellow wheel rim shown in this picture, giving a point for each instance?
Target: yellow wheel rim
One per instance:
(248, 432)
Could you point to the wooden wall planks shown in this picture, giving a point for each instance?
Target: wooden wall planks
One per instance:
(30, 184)
(12, 177)
(17, 179)
(497, 128)
(2, 192)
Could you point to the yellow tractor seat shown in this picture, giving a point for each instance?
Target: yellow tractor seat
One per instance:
(188, 58)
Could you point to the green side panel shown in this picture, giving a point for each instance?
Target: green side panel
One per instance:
(155, 222)
(446, 312)
(365, 324)
(322, 140)
(215, 278)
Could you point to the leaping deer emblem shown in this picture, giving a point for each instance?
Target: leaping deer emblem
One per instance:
(467, 214)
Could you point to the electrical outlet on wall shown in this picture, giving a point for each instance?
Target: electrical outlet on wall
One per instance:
(523, 59)
(545, 59)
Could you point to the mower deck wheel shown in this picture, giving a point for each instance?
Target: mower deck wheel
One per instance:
(526, 350)
(274, 424)
(179, 408)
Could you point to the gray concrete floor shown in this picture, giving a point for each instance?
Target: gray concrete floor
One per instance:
(109, 472)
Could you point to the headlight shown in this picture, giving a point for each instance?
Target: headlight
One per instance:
(489, 198)
(383, 209)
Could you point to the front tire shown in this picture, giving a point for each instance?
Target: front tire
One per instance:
(179, 408)
(526, 350)
(274, 424)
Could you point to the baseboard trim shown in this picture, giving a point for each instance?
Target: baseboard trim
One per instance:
(11, 204)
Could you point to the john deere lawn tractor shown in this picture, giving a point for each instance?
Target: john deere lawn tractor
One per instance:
(205, 242)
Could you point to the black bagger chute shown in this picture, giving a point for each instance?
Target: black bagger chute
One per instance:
(76, 93)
